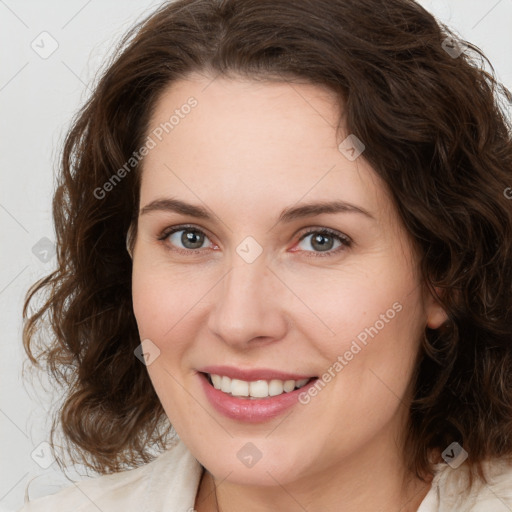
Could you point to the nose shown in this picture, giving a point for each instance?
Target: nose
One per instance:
(249, 306)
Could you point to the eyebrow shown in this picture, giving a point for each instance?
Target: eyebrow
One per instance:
(287, 215)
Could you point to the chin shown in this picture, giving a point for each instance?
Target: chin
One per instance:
(256, 462)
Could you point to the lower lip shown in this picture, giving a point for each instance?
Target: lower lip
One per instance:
(251, 410)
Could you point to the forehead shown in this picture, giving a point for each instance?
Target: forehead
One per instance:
(252, 141)
(238, 114)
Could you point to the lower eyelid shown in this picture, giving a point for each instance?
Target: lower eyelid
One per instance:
(344, 245)
(173, 232)
(345, 241)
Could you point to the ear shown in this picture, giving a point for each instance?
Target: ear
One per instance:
(129, 240)
(436, 315)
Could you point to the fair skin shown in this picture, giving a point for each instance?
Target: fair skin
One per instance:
(245, 153)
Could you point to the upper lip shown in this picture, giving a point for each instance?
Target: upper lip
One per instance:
(252, 374)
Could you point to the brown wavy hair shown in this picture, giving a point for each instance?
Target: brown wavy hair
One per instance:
(436, 131)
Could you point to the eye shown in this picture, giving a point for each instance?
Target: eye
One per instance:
(190, 239)
(185, 238)
(324, 241)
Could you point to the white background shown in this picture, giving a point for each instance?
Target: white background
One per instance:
(38, 97)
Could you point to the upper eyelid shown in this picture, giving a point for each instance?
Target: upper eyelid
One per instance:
(329, 231)
(180, 227)
(166, 232)
(307, 231)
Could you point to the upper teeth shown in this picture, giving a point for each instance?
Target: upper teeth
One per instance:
(257, 388)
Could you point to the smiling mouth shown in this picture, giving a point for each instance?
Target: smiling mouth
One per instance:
(257, 389)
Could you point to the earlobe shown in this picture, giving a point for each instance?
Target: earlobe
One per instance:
(436, 315)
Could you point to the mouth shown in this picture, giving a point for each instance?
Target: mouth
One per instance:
(256, 389)
(260, 398)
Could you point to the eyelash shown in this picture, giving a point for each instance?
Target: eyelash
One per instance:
(343, 239)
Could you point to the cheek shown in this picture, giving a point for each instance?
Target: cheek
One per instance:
(353, 304)
(164, 310)
(163, 298)
(374, 358)
(375, 320)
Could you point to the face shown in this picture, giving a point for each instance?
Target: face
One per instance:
(241, 282)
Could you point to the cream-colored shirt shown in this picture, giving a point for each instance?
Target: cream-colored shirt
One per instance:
(170, 482)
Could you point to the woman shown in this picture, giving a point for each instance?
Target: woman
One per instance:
(284, 262)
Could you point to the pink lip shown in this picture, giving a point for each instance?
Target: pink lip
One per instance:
(250, 410)
(253, 374)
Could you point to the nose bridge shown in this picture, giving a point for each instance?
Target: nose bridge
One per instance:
(247, 304)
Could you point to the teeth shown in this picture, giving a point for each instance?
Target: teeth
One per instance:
(238, 387)
(275, 387)
(289, 385)
(225, 385)
(216, 379)
(257, 388)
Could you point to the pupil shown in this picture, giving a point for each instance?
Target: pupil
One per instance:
(321, 241)
(192, 239)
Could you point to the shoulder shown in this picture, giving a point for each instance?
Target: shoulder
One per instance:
(451, 491)
(167, 482)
